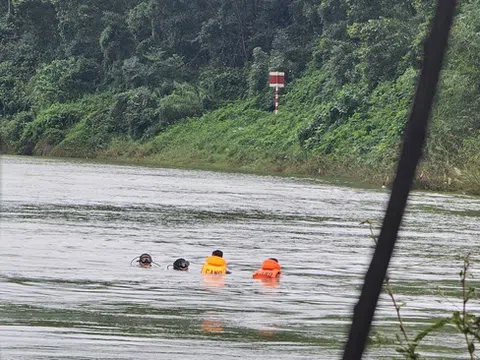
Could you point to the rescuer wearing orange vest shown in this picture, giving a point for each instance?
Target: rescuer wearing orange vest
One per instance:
(215, 265)
(271, 269)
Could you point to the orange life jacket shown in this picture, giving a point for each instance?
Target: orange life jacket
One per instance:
(215, 266)
(270, 270)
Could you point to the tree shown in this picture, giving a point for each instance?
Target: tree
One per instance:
(258, 77)
(80, 23)
(383, 44)
(64, 80)
(116, 42)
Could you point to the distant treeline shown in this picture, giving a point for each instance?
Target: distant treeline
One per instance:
(185, 81)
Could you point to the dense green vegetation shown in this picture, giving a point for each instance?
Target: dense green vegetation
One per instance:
(185, 83)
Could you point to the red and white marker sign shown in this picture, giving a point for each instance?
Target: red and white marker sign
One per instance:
(277, 80)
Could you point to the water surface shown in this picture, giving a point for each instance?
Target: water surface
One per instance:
(69, 230)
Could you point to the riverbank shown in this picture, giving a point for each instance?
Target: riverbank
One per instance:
(242, 138)
(342, 112)
(165, 152)
(426, 179)
(353, 136)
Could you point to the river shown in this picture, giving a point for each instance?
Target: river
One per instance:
(70, 228)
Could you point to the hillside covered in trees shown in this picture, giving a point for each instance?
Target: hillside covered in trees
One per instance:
(184, 82)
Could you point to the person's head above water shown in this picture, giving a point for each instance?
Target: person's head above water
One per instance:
(215, 264)
(270, 269)
(181, 264)
(145, 260)
(218, 253)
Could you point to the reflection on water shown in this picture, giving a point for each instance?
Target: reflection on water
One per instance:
(75, 227)
(215, 281)
(270, 283)
(211, 324)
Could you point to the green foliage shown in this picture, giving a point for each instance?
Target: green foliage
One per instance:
(351, 67)
(184, 101)
(222, 85)
(154, 69)
(140, 114)
(258, 76)
(339, 58)
(36, 25)
(409, 349)
(116, 43)
(64, 80)
(13, 97)
(141, 21)
(87, 138)
(383, 44)
(49, 126)
(458, 107)
(80, 25)
(133, 112)
(11, 130)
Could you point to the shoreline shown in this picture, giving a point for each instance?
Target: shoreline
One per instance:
(302, 170)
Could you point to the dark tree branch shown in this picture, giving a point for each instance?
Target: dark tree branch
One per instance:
(435, 47)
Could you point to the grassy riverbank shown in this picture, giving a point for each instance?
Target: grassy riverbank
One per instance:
(361, 143)
(351, 74)
(351, 134)
(359, 137)
(240, 138)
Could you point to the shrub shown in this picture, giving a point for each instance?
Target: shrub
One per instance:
(134, 112)
(54, 120)
(185, 101)
(64, 80)
(87, 137)
(12, 130)
(222, 85)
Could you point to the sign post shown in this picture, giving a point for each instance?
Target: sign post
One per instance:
(277, 81)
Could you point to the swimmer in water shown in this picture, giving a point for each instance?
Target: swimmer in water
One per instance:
(215, 264)
(144, 261)
(180, 265)
(270, 269)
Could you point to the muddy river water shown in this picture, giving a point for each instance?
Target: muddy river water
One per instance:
(70, 228)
